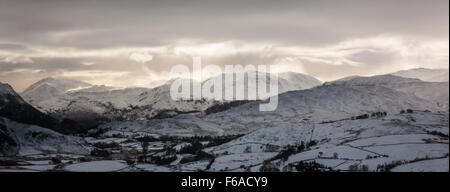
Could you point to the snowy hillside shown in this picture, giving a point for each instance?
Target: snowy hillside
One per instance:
(298, 81)
(286, 82)
(12, 106)
(23, 139)
(51, 87)
(437, 92)
(325, 103)
(431, 75)
(401, 140)
(91, 104)
(378, 123)
(8, 94)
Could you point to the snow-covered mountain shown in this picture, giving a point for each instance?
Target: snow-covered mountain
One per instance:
(431, 75)
(330, 102)
(378, 123)
(436, 92)
(90, 104)
(288, 81)
(51, 87)
(12, 106)
(298, 81)
(335, 101)
(364, 124)
(29, 136)
(24, 139)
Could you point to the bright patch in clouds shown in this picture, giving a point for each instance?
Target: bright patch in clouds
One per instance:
(14, 59)
(141, 57)
(388, 53)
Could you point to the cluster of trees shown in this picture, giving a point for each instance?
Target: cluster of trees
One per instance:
(386, 167)
(201, 155)
(357, 167)
(224, 106)
(302, 166)
(379, 114)
(310, 166)
(213, 140)
(95, 133)
(55, 161)
(7, 162)
(100, 153)
(269, 167)
(290, 150)
(160, 160)
(407, 111)
(195, 148)
(103, 145)
(437, 133)
(366, 116)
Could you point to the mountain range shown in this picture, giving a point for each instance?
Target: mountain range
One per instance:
(382, 122)
(89, 104)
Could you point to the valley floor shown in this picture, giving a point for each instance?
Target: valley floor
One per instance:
(414, 141)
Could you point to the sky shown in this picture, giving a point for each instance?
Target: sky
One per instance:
(135, 42)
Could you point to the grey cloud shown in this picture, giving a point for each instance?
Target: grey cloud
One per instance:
(374, 57)
(101, 24)
(155, 22)
(11, 46)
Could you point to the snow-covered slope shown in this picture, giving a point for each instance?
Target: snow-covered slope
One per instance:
(51, 87)
(12, 106)
(431, 75)
(324, 103)
(59, 83)
(154, 84)
(286, 82)
(372, 142)
(330, 102)
(290, 81)
(23, 139)
(437, 92)
(90, 104)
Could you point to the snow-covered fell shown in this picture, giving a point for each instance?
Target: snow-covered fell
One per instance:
(24, 139)
(437, 92)
(404, 139)
(88, 103)
(51, 87)
(12, 106)
(297, 81)
(288, 81)
(431, 75)
(330, 102)
(59, 83)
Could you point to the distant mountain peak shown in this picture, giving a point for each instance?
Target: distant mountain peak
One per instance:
(60, 83)
(374, 80)
(425, 74)
(6, 89)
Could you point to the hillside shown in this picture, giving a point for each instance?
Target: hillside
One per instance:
(431, 75)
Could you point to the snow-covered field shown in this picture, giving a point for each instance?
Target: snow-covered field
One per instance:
(372, 142)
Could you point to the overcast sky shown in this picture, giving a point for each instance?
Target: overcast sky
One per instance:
(126, 43)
